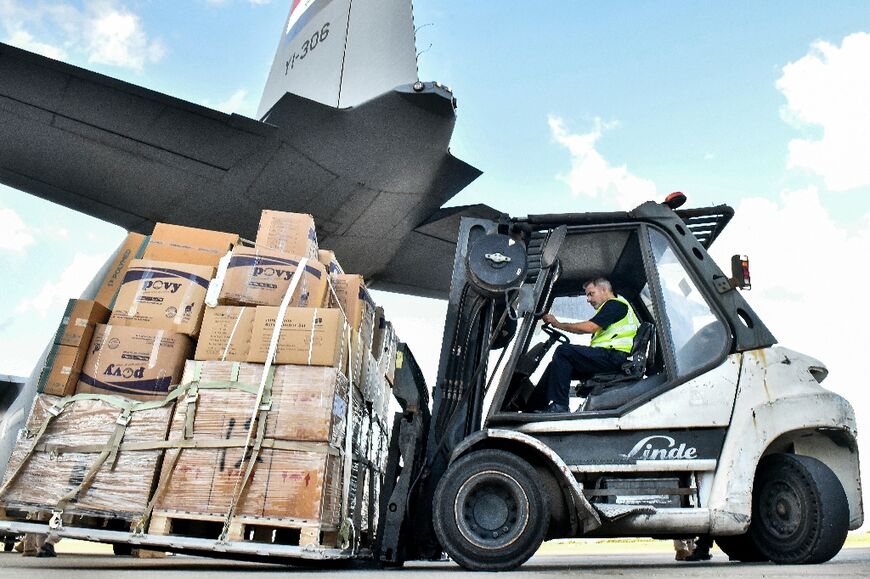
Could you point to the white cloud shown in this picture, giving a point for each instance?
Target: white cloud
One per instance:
(238, 103)
(830, 88)
(593, 175)
(71, 283)
(115, 37)
(15, 235)
(102, 31)
(23, 39)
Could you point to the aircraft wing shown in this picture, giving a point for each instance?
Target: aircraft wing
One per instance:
(373, 175)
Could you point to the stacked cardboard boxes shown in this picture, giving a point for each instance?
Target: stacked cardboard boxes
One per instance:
(71, 341)
(296, 477)
(156, 314)
(319, 412)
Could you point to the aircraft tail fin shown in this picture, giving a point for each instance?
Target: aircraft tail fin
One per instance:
(342, 52)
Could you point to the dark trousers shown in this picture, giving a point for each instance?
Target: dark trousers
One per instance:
(572, 362)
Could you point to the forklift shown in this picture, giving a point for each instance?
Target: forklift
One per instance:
(709, 428)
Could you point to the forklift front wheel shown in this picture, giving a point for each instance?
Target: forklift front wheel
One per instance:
(490, 514)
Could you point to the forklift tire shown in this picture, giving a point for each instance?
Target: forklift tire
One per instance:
(489, 511)
(800, 513)
(740, 548)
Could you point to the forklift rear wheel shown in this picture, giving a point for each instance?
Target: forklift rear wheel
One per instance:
(800, 513)
(740, 548)
(490, 514)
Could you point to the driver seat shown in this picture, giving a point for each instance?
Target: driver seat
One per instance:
(640, 360)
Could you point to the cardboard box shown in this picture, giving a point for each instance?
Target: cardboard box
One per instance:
(288, 232)
(308, 403)
(302, 483)
(328, 259)
(379, 334)
(203, 480)
(284, 484)
(225, 333)
(132, 248)
(356, 301)
(391, 359)
(78, 322)
(120, 489)
(62, 368)
(261, 277)
(309, 336)
(353, 297)
(138, 363)
(387, 348)
(363, 343)
(372, 382)
(163, 295)
(180, 244)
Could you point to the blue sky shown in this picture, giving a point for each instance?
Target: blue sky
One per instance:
(566, 106)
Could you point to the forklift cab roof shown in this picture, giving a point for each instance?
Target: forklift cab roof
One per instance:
(613, 252)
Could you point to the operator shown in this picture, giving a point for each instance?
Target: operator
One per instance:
(612, 327)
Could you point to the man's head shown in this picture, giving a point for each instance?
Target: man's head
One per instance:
(598, 291)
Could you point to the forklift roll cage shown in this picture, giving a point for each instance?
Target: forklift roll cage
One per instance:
(745, 330)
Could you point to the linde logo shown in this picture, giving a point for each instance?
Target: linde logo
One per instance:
(161, 285)
(117, 371)
(661, 447)
(285, 274)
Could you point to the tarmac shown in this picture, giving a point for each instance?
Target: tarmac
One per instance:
(850, 562)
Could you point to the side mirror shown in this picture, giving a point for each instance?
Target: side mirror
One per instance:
(740, 272)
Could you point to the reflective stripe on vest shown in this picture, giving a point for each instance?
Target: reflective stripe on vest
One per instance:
(618, 335)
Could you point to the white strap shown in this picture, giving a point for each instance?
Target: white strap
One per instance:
(273, 346)
(232, 334)
(215, 285)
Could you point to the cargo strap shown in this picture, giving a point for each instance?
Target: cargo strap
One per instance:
(197, 443)
(226, 350)
(187, 441)
(346, 528)
(109, 454)
(214, 287)
(242, 482)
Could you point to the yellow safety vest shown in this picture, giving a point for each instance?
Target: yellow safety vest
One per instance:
(618, 335)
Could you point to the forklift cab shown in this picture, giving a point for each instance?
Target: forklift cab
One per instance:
(646, 266)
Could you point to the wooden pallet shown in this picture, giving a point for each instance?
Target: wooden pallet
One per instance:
(293, 532)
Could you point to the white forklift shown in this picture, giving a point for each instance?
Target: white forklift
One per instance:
(710, 428)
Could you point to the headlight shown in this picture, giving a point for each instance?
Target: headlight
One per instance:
(819, 373)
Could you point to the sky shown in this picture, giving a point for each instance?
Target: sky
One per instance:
(566, 106)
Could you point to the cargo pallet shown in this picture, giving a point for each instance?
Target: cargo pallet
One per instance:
(187, 544)
(293, 532)
(248, 536)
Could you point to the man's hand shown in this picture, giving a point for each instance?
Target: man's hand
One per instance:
(586, 327)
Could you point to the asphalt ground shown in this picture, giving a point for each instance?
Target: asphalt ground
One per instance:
(850, 562)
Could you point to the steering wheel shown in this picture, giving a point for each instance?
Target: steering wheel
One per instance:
(555, 335)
